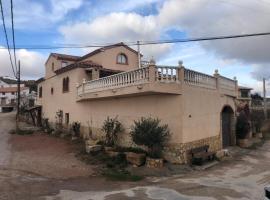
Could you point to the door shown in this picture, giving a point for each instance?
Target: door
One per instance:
(226, 129)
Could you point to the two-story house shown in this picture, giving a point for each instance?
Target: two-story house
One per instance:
(198, 108)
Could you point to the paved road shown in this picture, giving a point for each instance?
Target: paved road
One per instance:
(23, 175)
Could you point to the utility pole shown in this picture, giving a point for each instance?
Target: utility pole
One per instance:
(139, 54)
(264, 99)
(18, 90)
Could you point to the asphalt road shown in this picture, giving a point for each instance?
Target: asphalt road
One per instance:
(23, 175)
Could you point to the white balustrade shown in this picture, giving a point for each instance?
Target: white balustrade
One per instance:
(227, 84)
(123, 79)
(167, 74)
(199, 79)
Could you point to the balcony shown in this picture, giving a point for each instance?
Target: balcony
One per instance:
(153, 79)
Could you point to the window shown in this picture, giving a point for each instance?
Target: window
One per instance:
(53, 66)
(40, 92)
(52, 90)
(66, 84)
(244, 94)
(122, 59)
(64, 64)
(67, 118)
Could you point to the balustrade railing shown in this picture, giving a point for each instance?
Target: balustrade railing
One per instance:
(161, 74)
(167, 74)
(199, 79)
(117, 80)
(227, 84)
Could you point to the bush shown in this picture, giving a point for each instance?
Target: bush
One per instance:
(149, 132)
(242, 126)
(76, 128)
(257, 118)
(112, 127)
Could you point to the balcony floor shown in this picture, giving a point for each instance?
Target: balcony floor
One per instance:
(133, 90)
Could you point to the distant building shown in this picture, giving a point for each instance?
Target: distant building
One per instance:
(9, 92)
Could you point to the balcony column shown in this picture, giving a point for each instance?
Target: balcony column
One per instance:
(95, 73)
(83, 85)
(181, 72)
(152, 71)
(216, 75)
(236, 86)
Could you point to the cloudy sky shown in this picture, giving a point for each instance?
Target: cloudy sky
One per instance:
(56, 22)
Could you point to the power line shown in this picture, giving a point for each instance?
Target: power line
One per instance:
(206, 38)
(13, 34)
(5, 31)
(146, 42)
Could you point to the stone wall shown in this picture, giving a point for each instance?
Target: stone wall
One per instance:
(179, 153)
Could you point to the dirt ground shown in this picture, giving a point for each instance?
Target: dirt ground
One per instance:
(44, 167)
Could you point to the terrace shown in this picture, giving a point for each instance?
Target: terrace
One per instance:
(152, 79)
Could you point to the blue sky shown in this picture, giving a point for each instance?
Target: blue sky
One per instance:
(54, 22)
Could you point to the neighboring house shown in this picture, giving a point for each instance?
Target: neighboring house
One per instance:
(8, 93)
(198, 108)
(244, 97)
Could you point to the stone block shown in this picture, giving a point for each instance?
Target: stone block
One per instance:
(154, 163)
(93, 148)
(137, 159)
(112, 153)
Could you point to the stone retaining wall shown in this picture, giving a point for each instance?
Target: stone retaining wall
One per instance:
(179, 153)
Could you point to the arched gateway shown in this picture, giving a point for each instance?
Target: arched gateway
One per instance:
(228, 123)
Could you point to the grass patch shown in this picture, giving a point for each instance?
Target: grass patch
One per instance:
(120, 175)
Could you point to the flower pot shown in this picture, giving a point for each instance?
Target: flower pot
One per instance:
(154, 162)
(258, 135)
(243, 143)
(136, 159)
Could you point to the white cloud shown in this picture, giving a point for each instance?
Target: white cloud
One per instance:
(117, 27)
(34, 14)
(32, 63)
(196, 18)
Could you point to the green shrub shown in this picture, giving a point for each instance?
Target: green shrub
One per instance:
(242, 126)
(112, 127)
(118, 161)
(257, 118)
(76, 128)
(149, 132)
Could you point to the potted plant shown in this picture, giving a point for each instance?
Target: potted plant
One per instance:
(242, 130)
(112, 127)
(149, 132)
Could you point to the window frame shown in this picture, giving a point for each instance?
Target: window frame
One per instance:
(122, 55)
(40, 92)
(65, 84)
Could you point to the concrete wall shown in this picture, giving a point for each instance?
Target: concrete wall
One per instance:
(49, 72)
(108, 59)
(202, 112)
